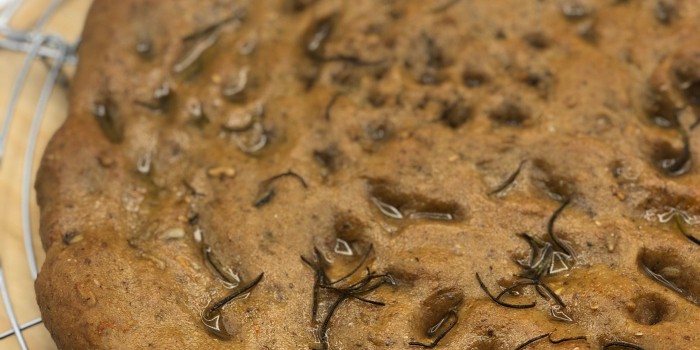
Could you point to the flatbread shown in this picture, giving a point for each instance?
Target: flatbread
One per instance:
(326, 174)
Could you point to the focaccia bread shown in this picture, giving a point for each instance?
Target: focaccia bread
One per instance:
(377, 174)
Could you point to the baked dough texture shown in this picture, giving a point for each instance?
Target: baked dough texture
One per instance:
(407, 144)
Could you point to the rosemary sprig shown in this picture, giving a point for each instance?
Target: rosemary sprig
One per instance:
(509, 180)
(549, 337)
(162, 96)
(542, 261)
(329, 106)
(498, 301)
(550, 229)
(266, 191)
(315, 41)
(357, 291)
(622, 344)
(450, 316)
(212, 317)
(351, 59)
(357, 268)
(672, 162)
(226, 276)
(321, 278)
(532, 340)
(661, 279)
(678, 219)
(238, 15)
(562, 340)
(236, 293)
(444, 6)
(316, 38)
(106, 114)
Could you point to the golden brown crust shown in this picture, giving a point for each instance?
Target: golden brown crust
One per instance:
(408, 103)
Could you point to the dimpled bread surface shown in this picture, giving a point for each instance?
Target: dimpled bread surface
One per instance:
(408, 145)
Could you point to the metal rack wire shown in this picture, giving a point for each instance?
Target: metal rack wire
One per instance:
(34, 43)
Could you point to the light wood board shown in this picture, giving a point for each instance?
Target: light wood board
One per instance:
(66, 22)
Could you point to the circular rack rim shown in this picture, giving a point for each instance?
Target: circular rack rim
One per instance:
(35, 44)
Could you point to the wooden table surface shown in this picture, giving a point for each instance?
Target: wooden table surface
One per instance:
(66, 22)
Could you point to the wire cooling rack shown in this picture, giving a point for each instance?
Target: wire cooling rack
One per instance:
(38, 40)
